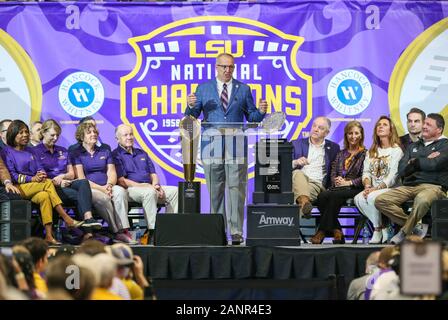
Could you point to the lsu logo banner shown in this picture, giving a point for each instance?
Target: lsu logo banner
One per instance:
(174, 59)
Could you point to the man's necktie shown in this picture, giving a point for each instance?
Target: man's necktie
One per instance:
(224, 97)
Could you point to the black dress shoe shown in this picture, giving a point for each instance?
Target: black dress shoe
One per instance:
(338, 237)
(237, 239)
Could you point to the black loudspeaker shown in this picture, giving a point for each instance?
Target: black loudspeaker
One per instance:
(15, 210)
(190, 229)
(13, 232)
(439, 215)
(15, 219)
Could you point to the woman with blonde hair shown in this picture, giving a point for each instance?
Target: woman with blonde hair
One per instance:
(346, 172)
(380, 174)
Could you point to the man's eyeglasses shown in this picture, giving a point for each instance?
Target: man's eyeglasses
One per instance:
(224, 67)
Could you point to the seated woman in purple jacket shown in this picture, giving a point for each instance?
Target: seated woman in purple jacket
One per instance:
(55, 161)
(346, 173)
(32, 179)
(96, 165)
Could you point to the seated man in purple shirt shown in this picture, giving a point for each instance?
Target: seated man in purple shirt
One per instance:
(96, 165)
(55, 161)
(136, 173)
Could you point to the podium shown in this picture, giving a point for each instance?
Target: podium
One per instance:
(273, 218)
(273, 225)
(273, 172)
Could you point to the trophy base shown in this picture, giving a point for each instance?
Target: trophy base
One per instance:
(189, 197)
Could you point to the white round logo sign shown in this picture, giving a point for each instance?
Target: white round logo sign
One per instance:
(349, 92)
(81, 94)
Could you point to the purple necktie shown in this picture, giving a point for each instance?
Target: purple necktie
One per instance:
(224, 97)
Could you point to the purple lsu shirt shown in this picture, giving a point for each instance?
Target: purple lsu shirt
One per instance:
(54, 163)
(22, 164)
(134, 166)
(94, 166)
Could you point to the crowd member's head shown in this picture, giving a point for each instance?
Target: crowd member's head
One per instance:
(35, 128)
(18, 134)
(433, 127)
(372, 262)
(58, 282)
(87, 276)
(87, 133)
(92, 247)
(38, 249)
(124, 258)
(385, 130)
(25, 261)
(386, 254)
(4, 124)
(50, 132)
(7, 270)
(353, 135)
(415, 119)
(125, 136)
(106, 268)
(320, 129)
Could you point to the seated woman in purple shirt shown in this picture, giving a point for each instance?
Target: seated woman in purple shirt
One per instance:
(96, 165)
(346, 173)
(32, 179)
(55, 161)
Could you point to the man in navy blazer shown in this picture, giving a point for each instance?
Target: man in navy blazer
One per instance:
(225, 102)
(313, 157)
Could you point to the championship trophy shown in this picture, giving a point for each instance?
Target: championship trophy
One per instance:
(189, 190)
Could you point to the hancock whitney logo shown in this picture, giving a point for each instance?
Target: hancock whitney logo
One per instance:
(349, 92)
(81, 94)
(172, 60)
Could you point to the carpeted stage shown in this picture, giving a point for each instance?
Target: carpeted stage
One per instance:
(260, 272)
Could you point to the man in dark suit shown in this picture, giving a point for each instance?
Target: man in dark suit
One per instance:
(225, 101)
(415, 119)
(312, 164)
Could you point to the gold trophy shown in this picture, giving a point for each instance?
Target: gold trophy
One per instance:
(189, 191)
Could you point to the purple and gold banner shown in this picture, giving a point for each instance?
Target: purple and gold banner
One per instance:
(136, 63)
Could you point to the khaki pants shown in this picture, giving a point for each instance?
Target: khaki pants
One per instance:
(44, 194)
(389, 203)
(304, 186)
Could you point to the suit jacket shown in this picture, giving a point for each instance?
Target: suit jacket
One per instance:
(4, 173)
(302, 146)
(354, 171)
(241, 106)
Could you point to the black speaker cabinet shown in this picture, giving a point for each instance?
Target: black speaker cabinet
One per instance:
(439, 215)
(273, 225)
(190, 229)
(13, 232)
(15, 210)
